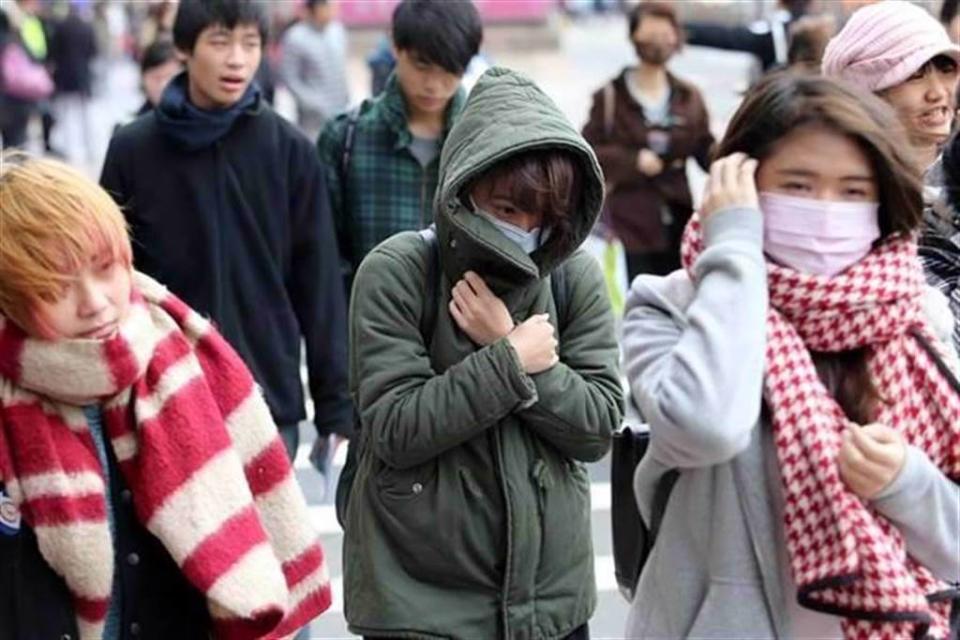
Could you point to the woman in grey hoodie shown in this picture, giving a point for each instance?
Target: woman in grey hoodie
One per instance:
(792, 373)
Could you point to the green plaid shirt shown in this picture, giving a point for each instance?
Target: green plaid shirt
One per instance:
(385, 190)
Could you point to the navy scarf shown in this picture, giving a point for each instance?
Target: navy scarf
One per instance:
(192, 128)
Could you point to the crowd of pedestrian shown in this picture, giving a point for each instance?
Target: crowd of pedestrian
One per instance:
(788, 352)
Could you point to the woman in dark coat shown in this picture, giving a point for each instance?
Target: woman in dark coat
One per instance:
(643, 125)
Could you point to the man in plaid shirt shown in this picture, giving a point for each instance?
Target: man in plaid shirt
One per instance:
(382, 160)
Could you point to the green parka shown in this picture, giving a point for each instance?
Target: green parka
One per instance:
(470, 512)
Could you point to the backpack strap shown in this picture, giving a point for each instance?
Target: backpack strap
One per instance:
(349, 135)
(343, 170)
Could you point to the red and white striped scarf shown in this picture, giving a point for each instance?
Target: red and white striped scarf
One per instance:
(197, 447)
(846, 558)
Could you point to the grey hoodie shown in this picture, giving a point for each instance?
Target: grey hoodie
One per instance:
(695, 362)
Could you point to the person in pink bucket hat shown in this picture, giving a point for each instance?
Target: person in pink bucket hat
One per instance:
(899, 51)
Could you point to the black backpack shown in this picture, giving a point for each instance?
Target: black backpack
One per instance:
(428, 321)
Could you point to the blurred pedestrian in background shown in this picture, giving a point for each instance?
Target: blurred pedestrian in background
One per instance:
(228, 207)
(809, 37)
(313, 66)
(159, 64)
(796, 377)
(73, 48)
(643, 125)
(950, 18)
(26, 21)
(24, 82)
(158, 23)
(765, 39)
(899, 51)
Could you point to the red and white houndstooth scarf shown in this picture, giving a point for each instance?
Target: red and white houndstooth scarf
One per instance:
(197, 447)
(846, 558)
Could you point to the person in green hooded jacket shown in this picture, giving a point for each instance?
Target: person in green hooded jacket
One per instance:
(469, 515)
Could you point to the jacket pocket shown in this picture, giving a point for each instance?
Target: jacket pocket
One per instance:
(566, 549)
(732, 609)
(431, 518)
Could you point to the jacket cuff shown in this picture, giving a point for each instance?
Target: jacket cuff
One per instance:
(733, 224)
(909, 485)
(515, 378)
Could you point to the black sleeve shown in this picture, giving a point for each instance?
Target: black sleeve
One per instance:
(731, 38)
(111, 176)
(316, 290)
(115, 180)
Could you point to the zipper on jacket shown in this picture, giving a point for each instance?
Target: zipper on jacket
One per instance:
(508, 564)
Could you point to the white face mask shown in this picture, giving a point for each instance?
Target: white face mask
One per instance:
(529, 241)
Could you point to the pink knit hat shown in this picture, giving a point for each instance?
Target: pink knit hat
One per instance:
(885, 43)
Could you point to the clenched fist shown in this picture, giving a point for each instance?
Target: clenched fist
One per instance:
(535, 343)
(870, 458)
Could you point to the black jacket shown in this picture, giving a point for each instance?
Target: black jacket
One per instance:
(157, 602)
(766, 39)
(241, 230)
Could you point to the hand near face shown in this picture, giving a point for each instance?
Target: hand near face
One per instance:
(732, 183)
(870, 458)
(478, 312)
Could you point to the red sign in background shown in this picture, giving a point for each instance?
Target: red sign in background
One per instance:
(377, 13)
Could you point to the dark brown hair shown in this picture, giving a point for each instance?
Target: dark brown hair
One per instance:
(654, 9)
(808, 40)
(783, 102)
(777, 106)
(544, 181)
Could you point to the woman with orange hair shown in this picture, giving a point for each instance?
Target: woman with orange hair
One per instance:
(140, 471)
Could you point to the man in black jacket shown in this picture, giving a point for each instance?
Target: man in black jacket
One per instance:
(227, 205)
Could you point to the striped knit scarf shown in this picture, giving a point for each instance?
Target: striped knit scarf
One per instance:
(847, 559)
(197, 447)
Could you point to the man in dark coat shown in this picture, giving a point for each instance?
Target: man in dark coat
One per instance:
(228, 207)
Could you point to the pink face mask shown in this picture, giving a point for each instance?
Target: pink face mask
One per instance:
(819, 237)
